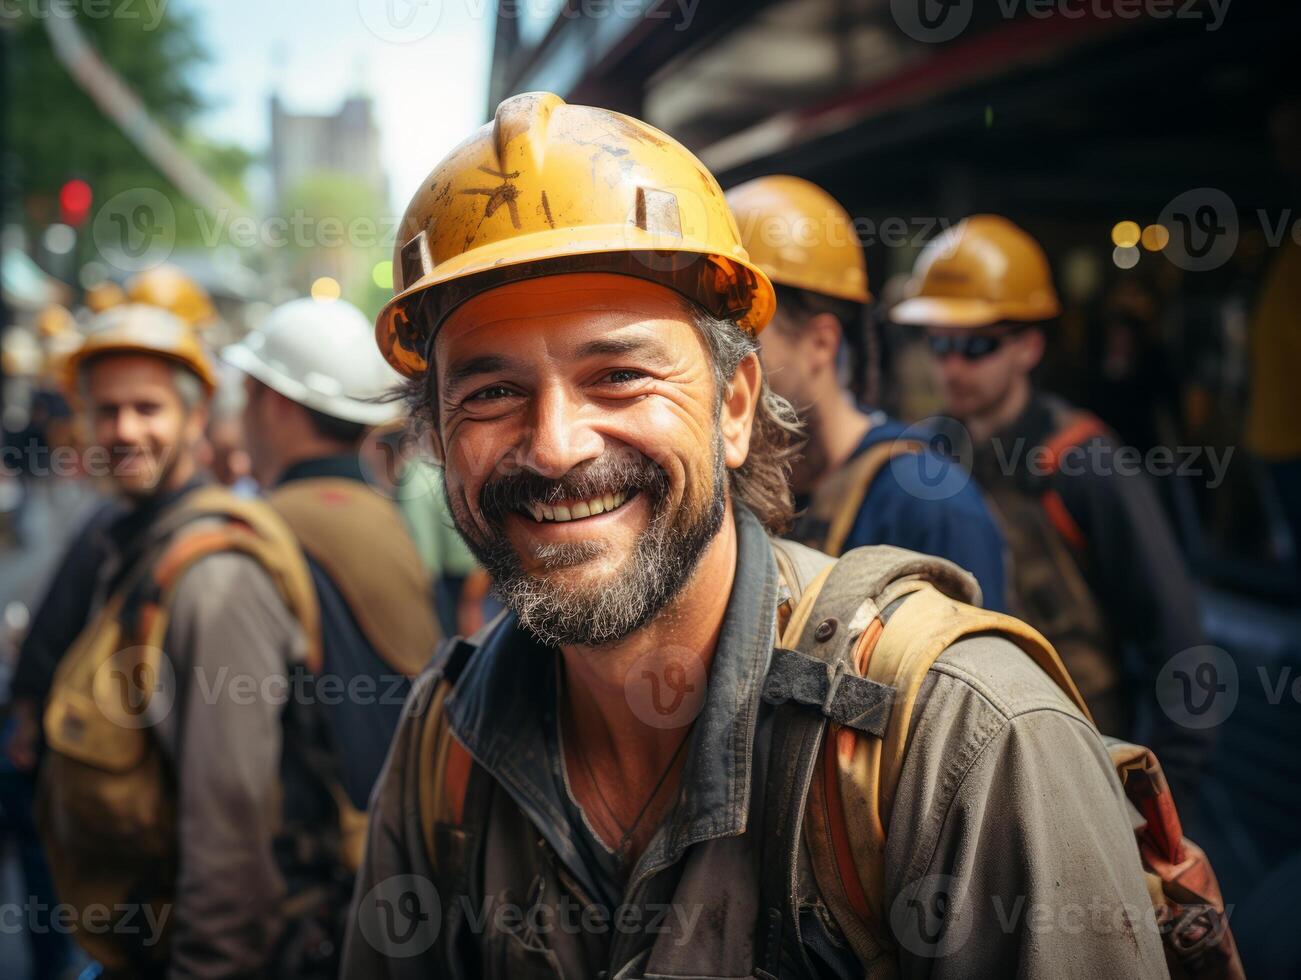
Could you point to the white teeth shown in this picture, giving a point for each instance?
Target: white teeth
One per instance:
(578, 509)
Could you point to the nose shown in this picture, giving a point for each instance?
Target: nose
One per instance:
(560, 437)
(128, 426)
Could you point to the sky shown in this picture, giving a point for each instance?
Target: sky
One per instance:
(424, 62)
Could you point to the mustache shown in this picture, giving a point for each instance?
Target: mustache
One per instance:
(611, 473)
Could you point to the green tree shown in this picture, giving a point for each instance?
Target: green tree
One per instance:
(56, 132)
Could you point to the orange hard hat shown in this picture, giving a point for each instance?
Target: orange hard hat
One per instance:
(139, 329)
(548, 188)
(982, 271)
(168, 287)
(800, 236)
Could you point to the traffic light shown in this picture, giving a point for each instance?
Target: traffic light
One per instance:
(75, 198)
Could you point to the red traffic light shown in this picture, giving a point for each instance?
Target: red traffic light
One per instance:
(75, 198)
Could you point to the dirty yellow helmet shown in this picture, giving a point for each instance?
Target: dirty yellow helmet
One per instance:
(54, 320)
(171, 289)
(139, 329)
(104, 296)
(982, 271)
(800, 236)
(548, 188)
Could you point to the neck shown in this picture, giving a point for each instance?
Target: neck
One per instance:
(616, 694)
(302, 449)
(987, 423)
(835, 428)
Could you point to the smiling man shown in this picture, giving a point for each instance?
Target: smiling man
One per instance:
(182, 791)
(612, 778)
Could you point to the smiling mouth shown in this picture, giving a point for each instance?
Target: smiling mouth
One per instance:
(573, 510)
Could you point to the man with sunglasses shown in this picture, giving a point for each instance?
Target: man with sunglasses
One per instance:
(860, 480)
(1095, 566)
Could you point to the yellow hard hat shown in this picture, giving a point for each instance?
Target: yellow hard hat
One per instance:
(140, 329)
(54, 320)
(171, 289)
(104, 296)
(982, 271)
(800, 236)
(548, 188)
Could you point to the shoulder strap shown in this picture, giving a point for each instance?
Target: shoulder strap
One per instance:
(837, 500)
(443, 797)
(1080, 428)
(252, 527)
(848, 669)
(815, 678)
(867, 770)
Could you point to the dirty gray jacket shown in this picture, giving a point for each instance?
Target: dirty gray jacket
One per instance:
(1009, 853)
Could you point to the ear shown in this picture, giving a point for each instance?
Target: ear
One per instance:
(196, 424)
(1030, 347)
(739, 404)
(823, 334)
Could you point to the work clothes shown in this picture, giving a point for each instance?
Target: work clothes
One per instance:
(240, 757)
(1007, 790)
(925, 503)
(77, 587)
(377, 621)
(1119, 593)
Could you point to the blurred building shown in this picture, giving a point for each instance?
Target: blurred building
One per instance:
(346, 142)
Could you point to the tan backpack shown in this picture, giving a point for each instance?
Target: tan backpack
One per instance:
(106, 803)
(840, 762)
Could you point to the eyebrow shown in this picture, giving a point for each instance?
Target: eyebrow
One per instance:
(619, 346)
(463, 371)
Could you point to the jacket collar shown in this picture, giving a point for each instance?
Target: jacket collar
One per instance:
(345, 466)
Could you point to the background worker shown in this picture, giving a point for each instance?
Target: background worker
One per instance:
(1095, 565)
(314, 387)
(859, 479)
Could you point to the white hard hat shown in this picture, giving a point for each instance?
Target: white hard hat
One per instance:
(321, 354)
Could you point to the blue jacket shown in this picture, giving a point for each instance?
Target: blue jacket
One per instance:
(930, 504)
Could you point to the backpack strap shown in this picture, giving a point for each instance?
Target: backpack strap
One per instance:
(847, 668)
(444, 797)
(815, 678)
(1079, 430)
(837, 500)
(249, 526)
(866, 770)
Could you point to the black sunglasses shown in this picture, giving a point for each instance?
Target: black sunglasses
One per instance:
(970, 347)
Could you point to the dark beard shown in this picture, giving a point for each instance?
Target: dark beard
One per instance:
(664, 557)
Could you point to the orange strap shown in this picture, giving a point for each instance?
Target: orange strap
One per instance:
(1076, 433)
